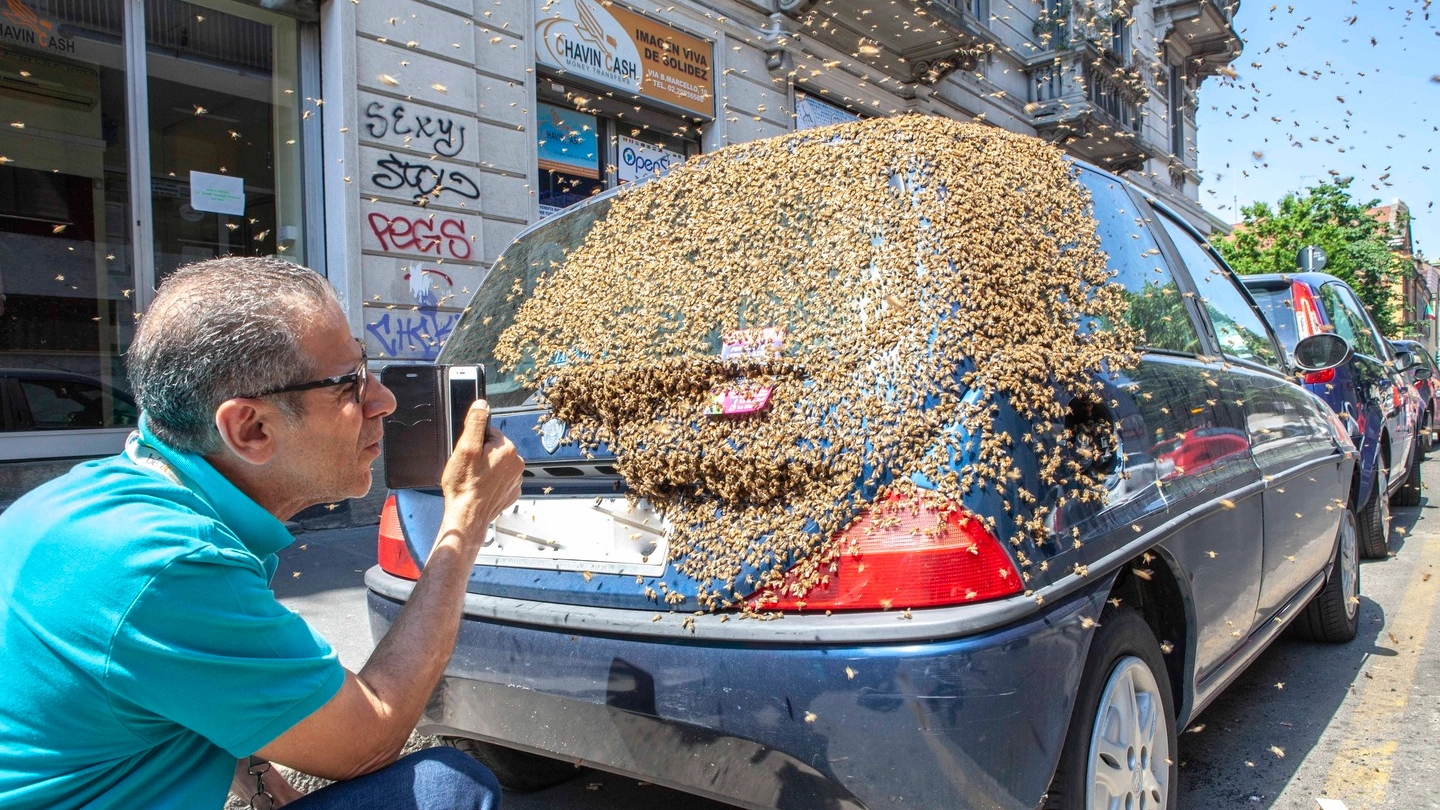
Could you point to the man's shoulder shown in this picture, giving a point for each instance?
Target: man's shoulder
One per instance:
(108, 504)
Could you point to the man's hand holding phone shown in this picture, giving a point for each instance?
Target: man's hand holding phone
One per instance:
(482, 477)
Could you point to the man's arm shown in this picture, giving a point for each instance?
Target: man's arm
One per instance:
(365, 725)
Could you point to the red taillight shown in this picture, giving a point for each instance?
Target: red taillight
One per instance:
(394, 556)
(1328, 375)
(906, 554)
(1307, 313)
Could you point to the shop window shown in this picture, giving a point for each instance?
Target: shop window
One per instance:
(221, 104)
(569, 157)
(224, 133)
(64, 196)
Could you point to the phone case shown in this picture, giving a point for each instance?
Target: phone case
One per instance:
(415, 438)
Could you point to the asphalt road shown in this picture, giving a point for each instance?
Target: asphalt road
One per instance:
(1358, 722)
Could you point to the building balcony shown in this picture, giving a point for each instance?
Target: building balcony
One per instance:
(1087, 103)
(1204, 29)
(914, 43)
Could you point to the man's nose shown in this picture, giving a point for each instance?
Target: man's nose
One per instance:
(379, 400)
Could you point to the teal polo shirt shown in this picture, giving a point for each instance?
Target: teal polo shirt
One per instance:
(142, 651)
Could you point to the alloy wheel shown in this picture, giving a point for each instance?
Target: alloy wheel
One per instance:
(1130, 753)
(1350, 566)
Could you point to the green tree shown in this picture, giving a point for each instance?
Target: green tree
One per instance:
(1324, 215)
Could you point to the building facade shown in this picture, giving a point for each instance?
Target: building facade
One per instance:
(1417, 290)
(399, 145)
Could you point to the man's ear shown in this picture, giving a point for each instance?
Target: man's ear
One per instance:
(246, 427)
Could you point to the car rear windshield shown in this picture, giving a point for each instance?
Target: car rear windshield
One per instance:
(544, 249)
(1278, 310)
(540, 250)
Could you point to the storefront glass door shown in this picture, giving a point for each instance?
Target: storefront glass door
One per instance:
(224, 133)
(211, 90)
(65, 264)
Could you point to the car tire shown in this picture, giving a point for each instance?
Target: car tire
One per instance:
(1333, 615)
(1409, 493)
(1375, 517)
(516, 770)
(1121, 742)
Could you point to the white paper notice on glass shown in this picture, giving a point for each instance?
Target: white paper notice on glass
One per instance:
(217, 193)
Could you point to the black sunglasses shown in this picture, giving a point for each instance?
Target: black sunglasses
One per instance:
(360, 377)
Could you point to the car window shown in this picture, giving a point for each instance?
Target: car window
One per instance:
(1238, 326)
(74, 404)
(1351, 323)
(1279, 309)
(1156, 305)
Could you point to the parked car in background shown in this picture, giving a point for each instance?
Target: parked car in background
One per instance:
(40, 399)
(1371, 391)
(1236, 524)
(1423, 375)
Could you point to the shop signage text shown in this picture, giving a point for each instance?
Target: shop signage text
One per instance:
(22, 25)
(619, 48)
(640, 161)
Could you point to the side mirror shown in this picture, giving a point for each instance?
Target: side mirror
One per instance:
(1320, 352)
(1422, 372)
(1403, 360)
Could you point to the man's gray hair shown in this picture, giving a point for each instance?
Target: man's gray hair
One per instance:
(220, 329)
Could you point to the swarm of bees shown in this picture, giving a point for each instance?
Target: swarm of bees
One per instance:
(920, 269)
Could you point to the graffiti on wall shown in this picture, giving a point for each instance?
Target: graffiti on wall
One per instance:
(429, 288)
(434, 133)
(422, 179)
(409, 333)
(440, 236)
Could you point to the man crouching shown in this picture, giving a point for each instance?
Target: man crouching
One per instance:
(147, 662)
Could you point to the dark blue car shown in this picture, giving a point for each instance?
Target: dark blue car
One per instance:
(1052, 673)
(1369, 391)
(1423, 375)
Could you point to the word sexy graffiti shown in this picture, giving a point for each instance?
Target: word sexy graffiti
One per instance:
(415, 334)
(440, 237)
(393, 173)
(439, 134)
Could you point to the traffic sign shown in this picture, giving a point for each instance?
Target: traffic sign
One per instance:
(1311, 259)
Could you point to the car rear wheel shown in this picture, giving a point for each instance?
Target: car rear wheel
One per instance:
(1334, 614)
(516, 770)
(1375, 517)
(1120, 750)
(1409, 494)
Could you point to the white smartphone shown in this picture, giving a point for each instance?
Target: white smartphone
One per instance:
(464, 385)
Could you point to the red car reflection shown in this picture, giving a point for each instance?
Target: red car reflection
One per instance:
(1198, 449)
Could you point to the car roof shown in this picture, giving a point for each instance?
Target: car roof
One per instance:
(1274, 281)
(47, 374)
(611, 193)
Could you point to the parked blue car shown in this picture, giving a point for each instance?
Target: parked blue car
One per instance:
(1423, 375)
(1228, 519)
(1369, 391)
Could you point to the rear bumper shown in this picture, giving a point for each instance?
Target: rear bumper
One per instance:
(970, 722)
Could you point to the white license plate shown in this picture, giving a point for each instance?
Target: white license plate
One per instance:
(579, 534)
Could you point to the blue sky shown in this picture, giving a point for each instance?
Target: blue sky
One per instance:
(1308, 65)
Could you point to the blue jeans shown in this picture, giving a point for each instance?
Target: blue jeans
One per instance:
(431, 779)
